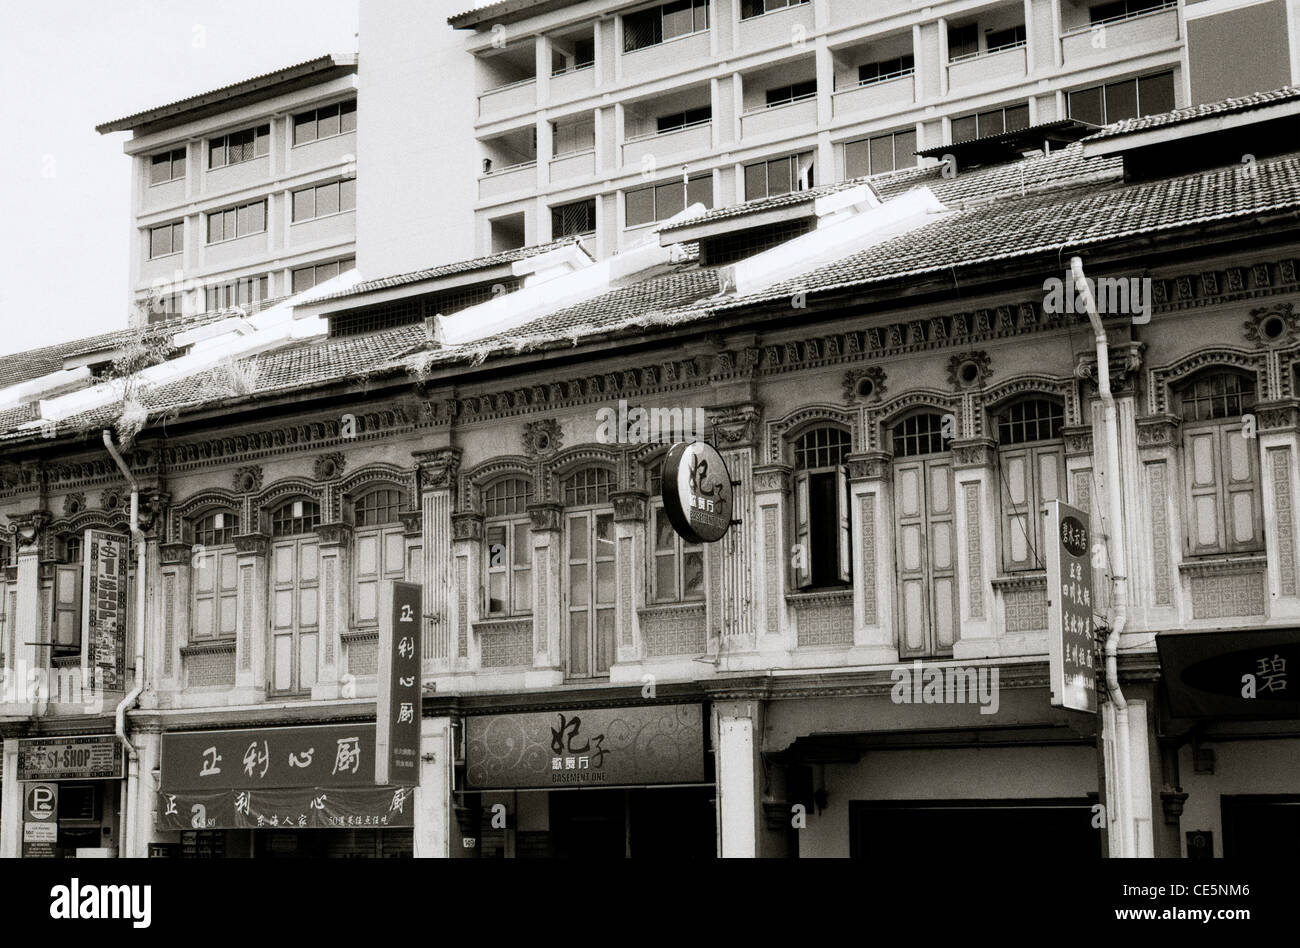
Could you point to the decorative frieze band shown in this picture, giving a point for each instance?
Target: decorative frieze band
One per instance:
(466, 526)
(771, 478)
(630, 505)
(546, 516)
(254, 544)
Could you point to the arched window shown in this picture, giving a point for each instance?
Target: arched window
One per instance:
(214, 577)
(508, 547)
(295, 586)
(1031, 467)
(380, 549)
(589, 530)
(925, 535)
(677, 573)
(823, 556)
(1221, 465)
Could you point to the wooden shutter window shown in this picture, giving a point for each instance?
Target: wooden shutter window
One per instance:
(802, 558)
(66, 623)
(843, 519)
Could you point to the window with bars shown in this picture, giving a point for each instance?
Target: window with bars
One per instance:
(237, 222)
(658, 24)
(1031, 467)
(780, 176)
(166, 239)
(586, 487)
(1221, 465)
(325, 122)
(880, 153)
(925, 536)
(295, 517)
(247, 291)
(380, 549)
(1125, 99)
(508, 548)
(658, 202)
(214, 575)
(576, 219)
(304, 278)
(321, 200)
(244, 145)
(1012, 118)
(167, 166)
(823, 555)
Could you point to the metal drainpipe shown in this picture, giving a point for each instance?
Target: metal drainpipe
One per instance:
(1119, 566)
(119, 716)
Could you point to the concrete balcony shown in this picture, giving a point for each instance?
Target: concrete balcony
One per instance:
(669, 146)
(573, 166)
(1122, 37)
(573, 84)
(850, 12)
(511, 180)
(675, 55)
(776, 28)
(508, 100)
(1003, 66)
(876, 98)
(771, 122)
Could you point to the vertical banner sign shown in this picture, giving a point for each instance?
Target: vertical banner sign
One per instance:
(104, 592)
(397, 712)
(1071, 645)
(40, 820)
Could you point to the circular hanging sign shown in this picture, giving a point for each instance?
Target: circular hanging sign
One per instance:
(697, 492)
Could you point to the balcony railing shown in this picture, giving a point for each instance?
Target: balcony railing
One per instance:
(1129, 31)
(508, 180)
(990, 66)
(572, 83)
(671, 55)
(885, 94)
(773, 119)
(508, 99)
(666, 145)
(573, 165)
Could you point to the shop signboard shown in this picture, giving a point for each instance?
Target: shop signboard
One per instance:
(697, 492)
(1243, 673)
(366, 807)
(40, 820)
(397, 707)
(586, 747)
(1071, 643)
(70, 758)
(327, 755)
(104, 590)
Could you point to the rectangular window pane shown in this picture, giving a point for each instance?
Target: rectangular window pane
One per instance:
(1085, 105)
(700, 191)
(348, 116)
(778, 176)
(755, 182)
(243, 220)
(161, 169)
(665, 578)
(1121, 101)
(677, 19)
(327, 199)
(523, 546)
(348, 192)
(496, 593)
(857, 160)
(1156, 94)
(257, 217)
(991, 123)
(670, 199)
(304, 204)
(1017, 117)
(639, 206)
(160, 241)
(693, 575)
(216, 153)
(327, 121)
(215, 231)
(263, 146)
(905, 149)
(304, 128)
(882, 154)
(964, 129)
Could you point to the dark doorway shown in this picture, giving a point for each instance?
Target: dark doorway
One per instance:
(1017, 829)
(588, 824)
(666, 822)
(1260, 826)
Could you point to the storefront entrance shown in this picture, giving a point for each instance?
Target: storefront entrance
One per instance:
(1010, 828)
(676, 822)
(1260, 826)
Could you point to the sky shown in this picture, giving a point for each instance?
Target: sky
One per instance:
(65, 190)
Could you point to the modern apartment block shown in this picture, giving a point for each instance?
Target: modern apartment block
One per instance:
(243, 194)
(603, 117)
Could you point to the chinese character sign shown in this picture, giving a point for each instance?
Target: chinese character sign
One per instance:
(331, 755)
(397, 754)
(1071, 642)
(104, 591)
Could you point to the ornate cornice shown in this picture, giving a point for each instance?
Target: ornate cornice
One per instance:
(1281, 415)
(252, 544)
(1157, 431)
(438, 467)
(1078, 440)
(466, 526)
(546, 516)
(174, 554)
(28, 529)
(973, 452)
(771, 478)
(1125, 363)
(870, 465)
(629, 505)
(334, 534)
(412, 523)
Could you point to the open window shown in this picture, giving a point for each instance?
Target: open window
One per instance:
(1031, 467)
(508, 548)
(295, 588)
(214, 575)
(823, 555)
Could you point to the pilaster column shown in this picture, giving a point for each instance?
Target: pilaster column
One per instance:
(1160, 476)
(27, 627)
(467, 584)
(175, 563)
(11, 804)
(1277, 424)
(771, 573)
(335, 551)
(251, 559)
(433, 797)
(736, 429)
(548, 578)
(972, 462)
(737, 737)
(437, 470)
(630, 513)
(873, 558)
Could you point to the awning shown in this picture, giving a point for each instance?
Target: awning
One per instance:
(288, 808)
(1249, 673)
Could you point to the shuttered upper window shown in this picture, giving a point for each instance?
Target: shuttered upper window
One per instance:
(1031, 469)
(823, 555)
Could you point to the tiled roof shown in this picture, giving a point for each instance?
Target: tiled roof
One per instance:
(449, 269)
(244, 86)
(122, 336)
(1208, 110)
(508, 10)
